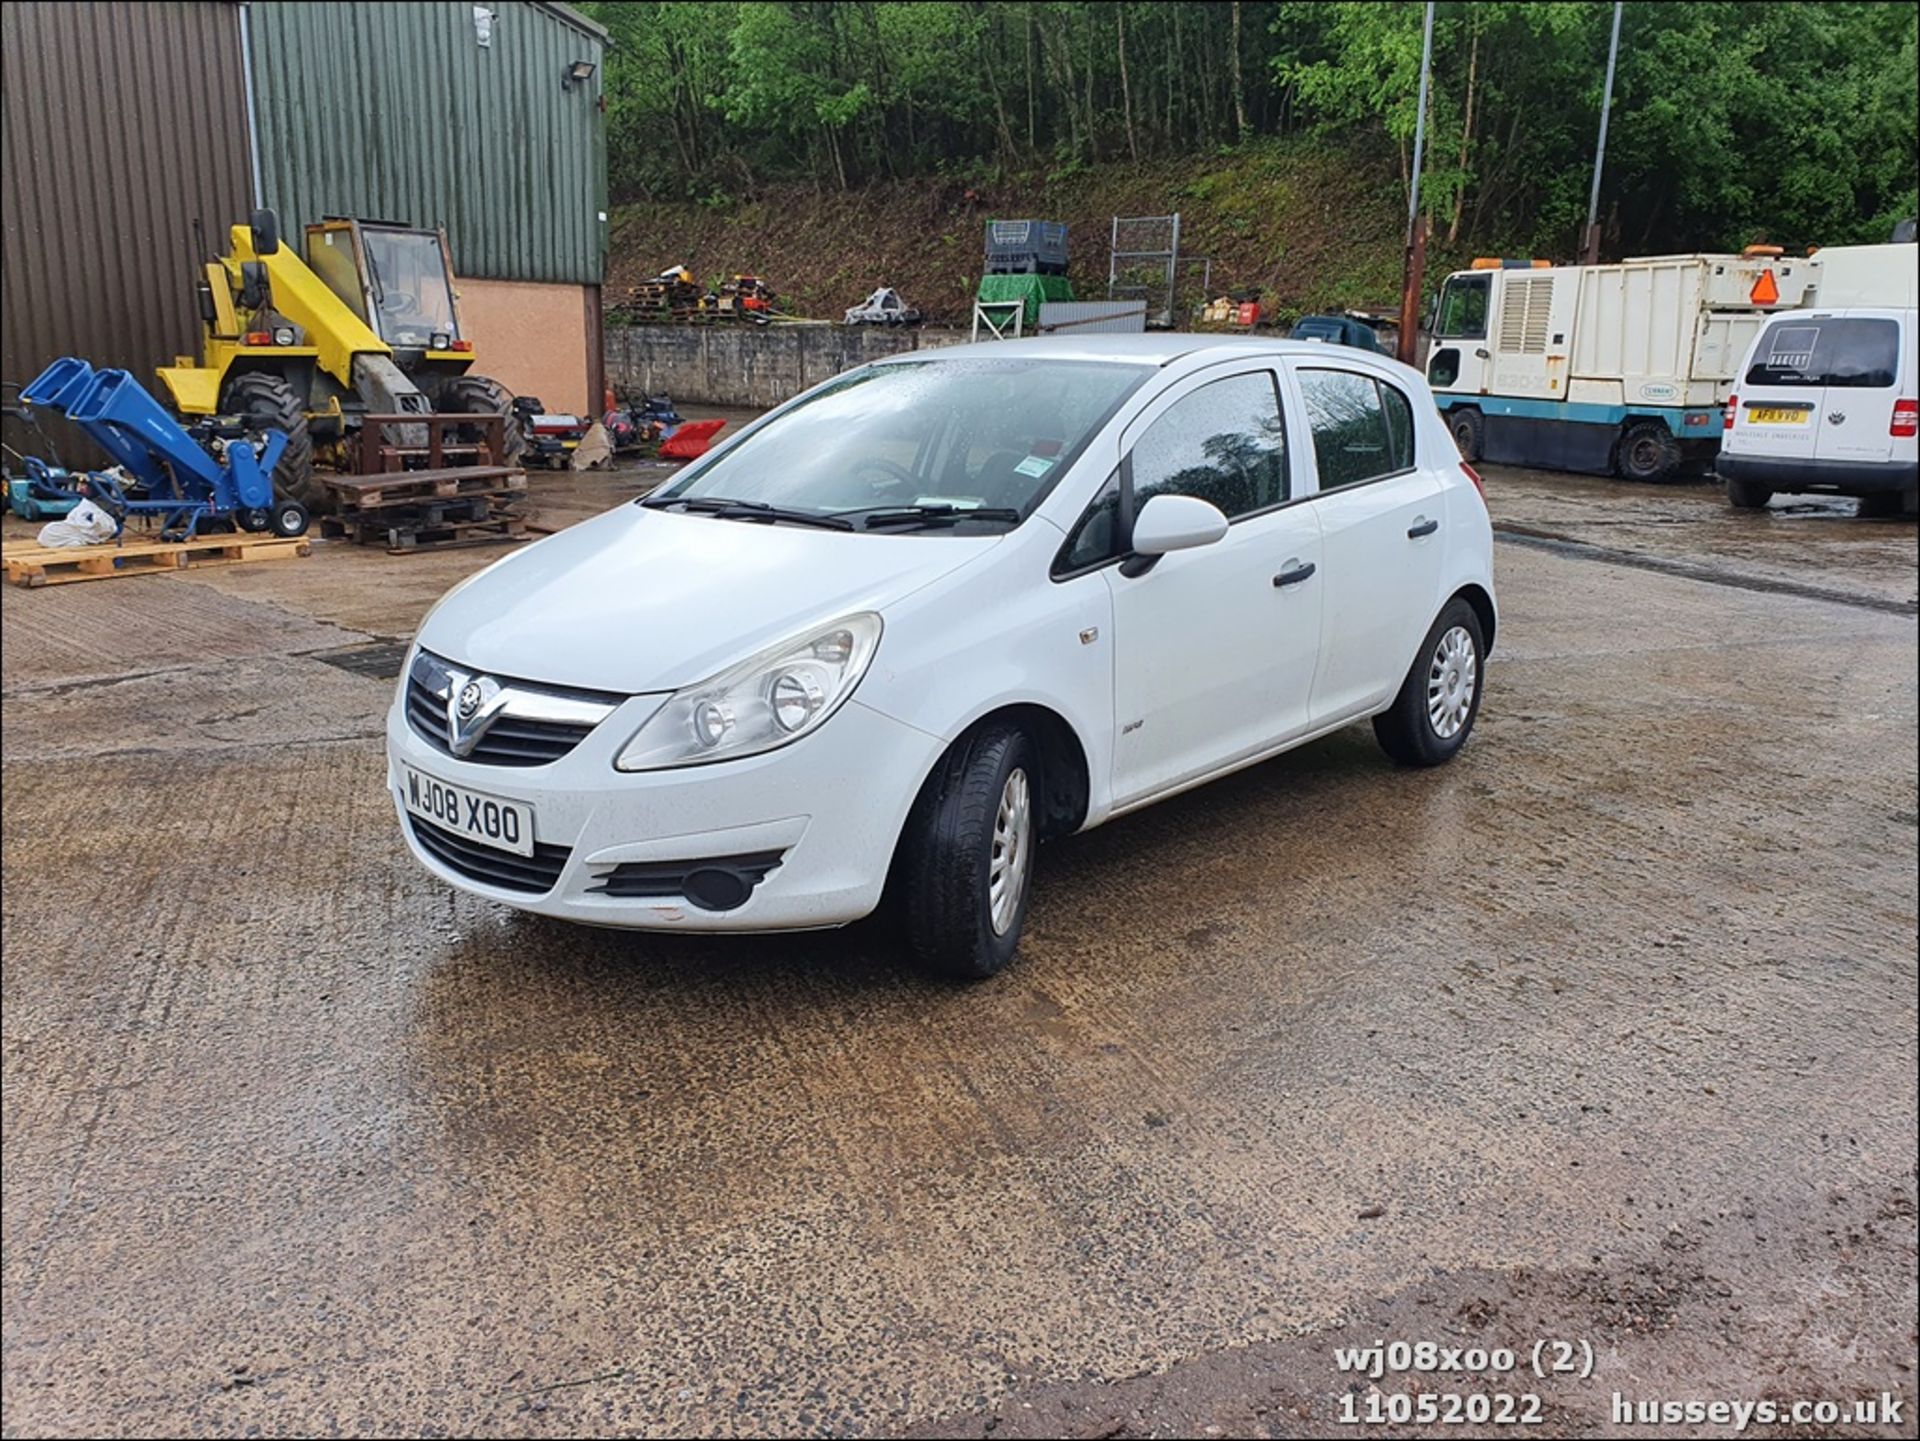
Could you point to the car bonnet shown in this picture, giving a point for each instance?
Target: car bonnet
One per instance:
(641, 600)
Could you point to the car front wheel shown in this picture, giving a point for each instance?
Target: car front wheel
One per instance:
(967, 854)
(1432, 716)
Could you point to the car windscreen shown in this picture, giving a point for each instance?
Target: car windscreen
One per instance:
(962, 434)
(1856, 353)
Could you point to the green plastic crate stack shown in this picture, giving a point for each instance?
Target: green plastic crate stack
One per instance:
(1030, 288)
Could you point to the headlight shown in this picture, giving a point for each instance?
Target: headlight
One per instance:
(762, 703)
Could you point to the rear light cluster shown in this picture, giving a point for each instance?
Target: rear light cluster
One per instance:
(1906, 420)
(1726, 419)
(1473, 475)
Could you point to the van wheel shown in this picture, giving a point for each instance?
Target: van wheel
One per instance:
(1439, 701)
(1469, 432)
(1647, 453)
(1890, 505)
(967, 854)
(1747, 495)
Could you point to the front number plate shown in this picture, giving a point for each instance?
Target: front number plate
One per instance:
(504, 825)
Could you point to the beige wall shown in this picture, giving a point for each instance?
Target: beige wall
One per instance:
(531, 338)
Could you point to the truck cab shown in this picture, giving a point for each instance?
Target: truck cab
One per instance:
(1611, 369)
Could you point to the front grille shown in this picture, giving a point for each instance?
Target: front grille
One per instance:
(511, 740)
(718, 883)
(534, 875)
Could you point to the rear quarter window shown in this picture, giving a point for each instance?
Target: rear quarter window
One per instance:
(1858, 353)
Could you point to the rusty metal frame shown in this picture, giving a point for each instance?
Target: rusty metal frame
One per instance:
(374, 451)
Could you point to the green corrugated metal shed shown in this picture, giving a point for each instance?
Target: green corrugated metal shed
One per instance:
(398, 111)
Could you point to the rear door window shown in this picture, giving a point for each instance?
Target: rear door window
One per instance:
(1362, 428)
(1857, 353)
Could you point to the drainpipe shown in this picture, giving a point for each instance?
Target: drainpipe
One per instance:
(246, 80)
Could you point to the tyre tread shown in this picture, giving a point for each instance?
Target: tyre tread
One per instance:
(944, 898)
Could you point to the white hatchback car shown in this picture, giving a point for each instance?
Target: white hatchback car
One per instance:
(934, 611)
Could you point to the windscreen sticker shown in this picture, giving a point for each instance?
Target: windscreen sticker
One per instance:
(1792, 347)
(1035, 466)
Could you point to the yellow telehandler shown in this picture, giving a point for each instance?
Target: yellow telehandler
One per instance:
(367, 323)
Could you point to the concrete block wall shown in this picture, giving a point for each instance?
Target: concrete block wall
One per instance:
(750, 367)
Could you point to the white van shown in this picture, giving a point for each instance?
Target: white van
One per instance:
(1826, 401)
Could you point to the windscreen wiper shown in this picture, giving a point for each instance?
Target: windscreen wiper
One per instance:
(934, 514)
(723, 509)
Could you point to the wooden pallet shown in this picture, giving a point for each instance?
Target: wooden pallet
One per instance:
(38, 565)
(404, 534)
(416, 487)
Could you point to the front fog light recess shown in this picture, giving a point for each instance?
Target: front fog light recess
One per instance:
(767, 701)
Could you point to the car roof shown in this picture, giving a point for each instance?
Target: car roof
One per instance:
(1153, 348)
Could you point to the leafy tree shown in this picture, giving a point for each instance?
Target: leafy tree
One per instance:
(1732, 121)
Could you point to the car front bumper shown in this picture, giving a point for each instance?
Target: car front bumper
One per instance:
(829, 806)
(1796, 477)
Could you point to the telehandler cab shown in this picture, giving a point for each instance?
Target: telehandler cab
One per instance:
(368, 323)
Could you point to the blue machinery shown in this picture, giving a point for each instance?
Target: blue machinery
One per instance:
(183, 478)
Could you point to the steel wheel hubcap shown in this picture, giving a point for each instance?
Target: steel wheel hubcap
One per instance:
(1012, 852)
(1451, 681)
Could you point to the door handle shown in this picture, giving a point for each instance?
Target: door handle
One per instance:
(1294, 576)
(1422, 528)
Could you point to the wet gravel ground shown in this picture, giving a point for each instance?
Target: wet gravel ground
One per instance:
(1604, 1033)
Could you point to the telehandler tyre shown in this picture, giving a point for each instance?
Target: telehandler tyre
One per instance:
(267, 400)
(479, 394)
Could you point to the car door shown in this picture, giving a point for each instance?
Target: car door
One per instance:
(1381, 533)
(1214, 647)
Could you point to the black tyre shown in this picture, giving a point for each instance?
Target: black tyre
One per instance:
(1432, 716)
(966, 862)
(289, 518)
(1890, 505)
(1648, 452)
(1747, 494)
(269, 402)
(1469, 429)
(477, 395)
(254, 518)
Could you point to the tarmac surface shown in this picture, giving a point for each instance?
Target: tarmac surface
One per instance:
(1604, 1033)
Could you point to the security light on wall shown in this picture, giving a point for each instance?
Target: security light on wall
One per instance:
(578, 73)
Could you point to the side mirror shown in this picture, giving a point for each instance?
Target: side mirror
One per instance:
(1172, 522)
(266, 232)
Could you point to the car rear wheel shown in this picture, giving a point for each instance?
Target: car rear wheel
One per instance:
(1747, 495)
(1432, 716)
(967, 854)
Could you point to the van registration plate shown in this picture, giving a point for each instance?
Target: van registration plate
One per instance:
(1758, 416)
